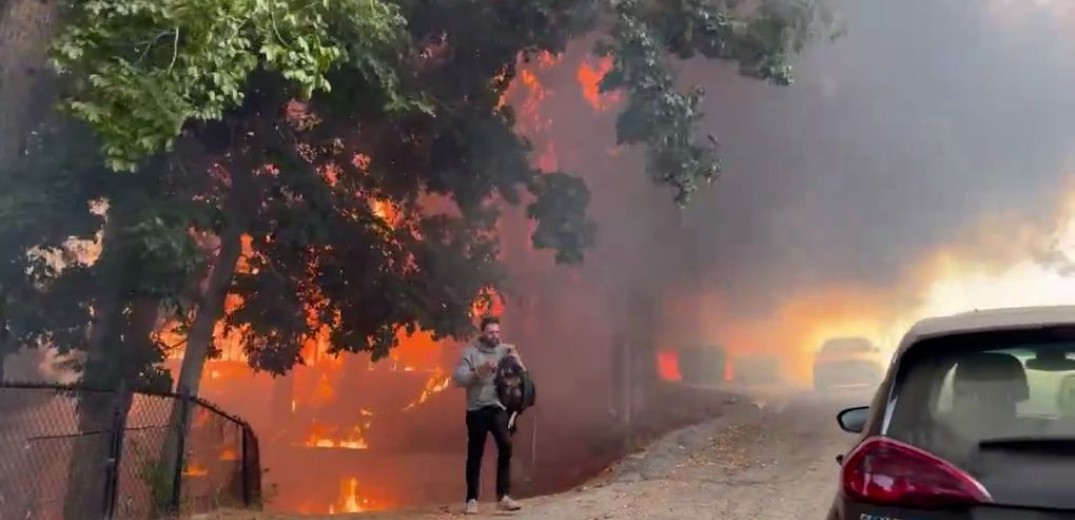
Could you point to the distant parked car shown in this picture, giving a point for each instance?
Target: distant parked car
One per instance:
(756, 370)
(702, 364)
(847, 361)
(975, 419)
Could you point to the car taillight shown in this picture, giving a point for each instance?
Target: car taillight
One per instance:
(883, 471)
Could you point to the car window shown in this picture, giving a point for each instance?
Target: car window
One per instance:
(953, 393)
(1046, 389)
(847, 345)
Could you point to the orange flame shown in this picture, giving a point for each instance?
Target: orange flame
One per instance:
(321, 437)
(668, 365)
(436, 384)
(352, 502)
(194, 470)
(532, 94)
(589, 77)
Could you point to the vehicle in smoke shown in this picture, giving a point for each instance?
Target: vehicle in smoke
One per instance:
(847, 361)
(756, 370)
(975, 419)
(702, 364)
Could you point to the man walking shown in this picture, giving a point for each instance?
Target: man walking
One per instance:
(485, 413)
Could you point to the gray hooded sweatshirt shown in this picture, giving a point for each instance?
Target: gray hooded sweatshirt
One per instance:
(481, 391)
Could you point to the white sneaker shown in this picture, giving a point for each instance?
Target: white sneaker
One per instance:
(507, 504)
(471, 508)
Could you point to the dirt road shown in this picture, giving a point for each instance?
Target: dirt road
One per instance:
(770, 461)
(769, 457)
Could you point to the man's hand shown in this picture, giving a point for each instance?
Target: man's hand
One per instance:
(484, 369)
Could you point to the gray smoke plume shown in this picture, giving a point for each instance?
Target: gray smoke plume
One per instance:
(926, 116)
(925, 120)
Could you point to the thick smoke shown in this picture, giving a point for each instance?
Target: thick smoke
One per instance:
(931, 124)
(897, 138)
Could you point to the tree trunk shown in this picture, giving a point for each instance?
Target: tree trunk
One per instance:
(199, 339)
(283, 394)
(642, 352)
(210, 310)
(124, 340)
(6, 342)
(84, 497)
(106, 307)
(27, 28)
(84, 494)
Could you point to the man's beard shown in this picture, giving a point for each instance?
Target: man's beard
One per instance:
(489, 342)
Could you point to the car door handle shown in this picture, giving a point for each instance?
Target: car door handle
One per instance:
(840, 459)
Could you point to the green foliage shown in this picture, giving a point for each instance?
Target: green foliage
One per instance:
(191, 96)
(140, 70)
(658, 114)
(560, 210)
(49, 289)
(44, 203)
(318, 250)
(154, 475)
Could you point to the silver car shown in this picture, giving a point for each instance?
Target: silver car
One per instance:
(847, 361)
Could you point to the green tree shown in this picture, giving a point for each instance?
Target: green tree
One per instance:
(146, 76)
(414, 86)
(416, 89)
(43, 198)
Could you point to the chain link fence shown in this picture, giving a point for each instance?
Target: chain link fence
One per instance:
(75, 453)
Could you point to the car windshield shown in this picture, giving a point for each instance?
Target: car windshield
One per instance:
(960, 397)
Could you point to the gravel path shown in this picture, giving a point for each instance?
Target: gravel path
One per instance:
(768, 457)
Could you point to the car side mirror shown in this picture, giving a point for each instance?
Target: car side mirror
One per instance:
(853, 420)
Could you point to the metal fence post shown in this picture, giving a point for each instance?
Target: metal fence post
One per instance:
(244, 468)
(181, 448)
(252, 467)
(115, 450)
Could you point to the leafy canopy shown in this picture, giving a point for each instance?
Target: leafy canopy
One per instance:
(142, 69)
(402, 111)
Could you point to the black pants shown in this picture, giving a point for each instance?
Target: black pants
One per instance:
(480, 422)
